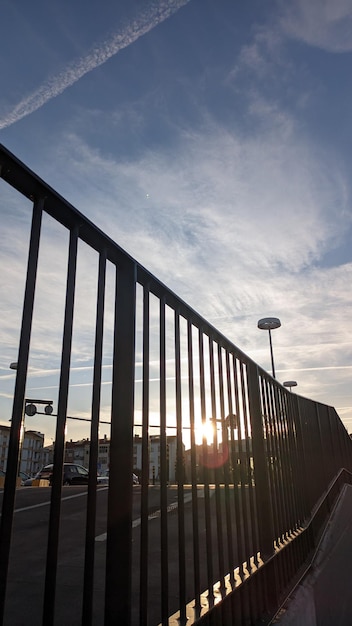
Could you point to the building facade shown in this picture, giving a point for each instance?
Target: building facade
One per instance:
(34, 455)
(31, 453)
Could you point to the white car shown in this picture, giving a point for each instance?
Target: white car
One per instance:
(103, 479)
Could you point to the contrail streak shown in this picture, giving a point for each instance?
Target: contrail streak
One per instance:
(55, 85)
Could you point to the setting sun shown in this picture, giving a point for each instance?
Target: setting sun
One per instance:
(204, 430)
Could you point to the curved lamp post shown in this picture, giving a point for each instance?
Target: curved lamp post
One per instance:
(290, 384)
(270, 323)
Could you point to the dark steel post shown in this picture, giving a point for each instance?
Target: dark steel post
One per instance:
(120, 498)
(208, 525)
(143, 577)
(164, 547)
(264, 508)
(88, 587)
(180, 477)
(194, 476)
(262, 489)
(55, 503)
(18, 402)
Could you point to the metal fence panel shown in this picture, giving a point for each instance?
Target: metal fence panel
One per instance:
(224, 517)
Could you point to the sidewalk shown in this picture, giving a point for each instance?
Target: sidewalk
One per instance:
(325, 596)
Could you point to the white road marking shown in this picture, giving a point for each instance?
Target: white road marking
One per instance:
(154, 515)
(47, 503)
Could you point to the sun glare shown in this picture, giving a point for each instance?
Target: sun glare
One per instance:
(204, 430)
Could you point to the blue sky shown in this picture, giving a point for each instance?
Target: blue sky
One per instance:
(212, 140)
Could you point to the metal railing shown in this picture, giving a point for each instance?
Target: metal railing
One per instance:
(252, 460)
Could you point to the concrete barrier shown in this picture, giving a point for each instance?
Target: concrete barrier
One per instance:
(40, 482)
(2, 482)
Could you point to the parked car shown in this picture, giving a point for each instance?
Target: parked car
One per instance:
(22, 475)
(103, 479)
(72, 475)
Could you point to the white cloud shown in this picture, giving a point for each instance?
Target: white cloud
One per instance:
(326, 24)
(220, 201)
(236, 226)
(154, 14)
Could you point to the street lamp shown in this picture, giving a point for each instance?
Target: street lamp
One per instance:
(270, 323)
(290, 384)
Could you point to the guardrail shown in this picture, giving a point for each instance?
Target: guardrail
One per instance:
(251, 458)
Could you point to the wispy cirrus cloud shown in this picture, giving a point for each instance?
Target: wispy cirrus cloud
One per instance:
(325, 24)
(217, 188)
(154, 14)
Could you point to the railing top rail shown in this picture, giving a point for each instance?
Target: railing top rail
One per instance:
(21, 178)
(189, 376)
(29, 184)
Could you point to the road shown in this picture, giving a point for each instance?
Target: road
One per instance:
(28, 552)
(28, 555)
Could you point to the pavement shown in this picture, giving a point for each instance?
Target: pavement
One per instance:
(325, 596)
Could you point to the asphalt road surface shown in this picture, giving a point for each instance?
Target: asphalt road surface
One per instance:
(28, 555)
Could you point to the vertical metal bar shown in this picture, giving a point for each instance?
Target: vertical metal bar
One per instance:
(320, 459)
(250, 470)
(262, 485)
(342, 441)
(225, 465)
(280, 466)
(236, 453)
(276, 481)
(120, 497)
(55, 504)
(282, 461)
(87, 607)
(163, 485)
(227, 526)
(194, 477)
(245, 454)
(261, 591)
(180, 478)
(333, 452)
(18, 402)
(271, 453)
(229, 422)
(247, 492)
(260, 465)
(306, 442)
(279, 484)
(345, 453)
(290, 448)
(286, 482)
(300, 457)
(293, 434)
(289, 465)
(143, 597)
(220, 547)
(208, 535)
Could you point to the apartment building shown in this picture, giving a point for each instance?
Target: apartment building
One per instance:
(31, 454)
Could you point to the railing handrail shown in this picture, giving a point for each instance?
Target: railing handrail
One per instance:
(256, 466)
